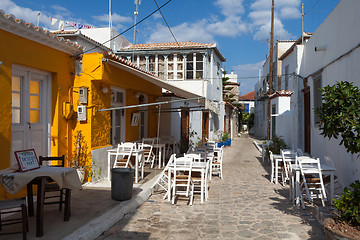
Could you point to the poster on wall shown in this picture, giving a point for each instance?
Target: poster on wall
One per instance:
(135, 119)
(27, 160)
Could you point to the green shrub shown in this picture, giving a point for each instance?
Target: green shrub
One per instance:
(349, 203)
(277, 143)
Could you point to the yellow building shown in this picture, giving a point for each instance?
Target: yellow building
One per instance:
(51, 94)
(36, 71)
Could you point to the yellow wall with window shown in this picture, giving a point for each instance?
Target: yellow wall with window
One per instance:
(23, 52)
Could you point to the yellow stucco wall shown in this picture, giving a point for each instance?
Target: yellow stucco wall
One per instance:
(97, 75)
(20, 51)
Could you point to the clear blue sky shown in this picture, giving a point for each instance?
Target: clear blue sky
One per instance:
(239, 27)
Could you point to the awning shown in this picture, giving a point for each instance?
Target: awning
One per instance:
(158, 82)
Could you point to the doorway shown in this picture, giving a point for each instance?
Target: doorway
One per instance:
(307, 129)
(117, 132)
(31, 91)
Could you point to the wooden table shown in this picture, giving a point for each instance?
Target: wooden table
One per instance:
(139, 159)
(66, 178)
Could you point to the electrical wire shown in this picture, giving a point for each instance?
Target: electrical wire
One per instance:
(149, 15)
(167, 24)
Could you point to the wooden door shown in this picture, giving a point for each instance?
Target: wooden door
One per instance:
(307, 136)
(205, 125)
(184, 130)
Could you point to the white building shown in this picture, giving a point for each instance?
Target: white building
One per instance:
(279, 101)
(332, 54)
(195, 67)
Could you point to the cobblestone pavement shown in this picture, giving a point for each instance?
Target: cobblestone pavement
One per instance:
(243, 205)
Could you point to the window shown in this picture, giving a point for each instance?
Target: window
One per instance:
(317, 95)
(190, 66)
(287, 77)
(142, 63)
(199, 66)
(175, 67)
(16, 99)
(152, 68)
(161, 66)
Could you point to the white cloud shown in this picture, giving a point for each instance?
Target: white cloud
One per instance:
(205, 30)
(290, 13)
(184, 32)
(260, 16)
(26, 14)
(248, 76)
(230, 7)
(61, 10)
(116, 18)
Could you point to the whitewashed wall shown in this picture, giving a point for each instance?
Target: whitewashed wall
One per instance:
(339, 34)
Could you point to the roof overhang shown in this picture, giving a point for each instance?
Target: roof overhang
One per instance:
(154, 80)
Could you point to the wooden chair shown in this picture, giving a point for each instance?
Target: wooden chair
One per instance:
(52, 189)
(12, 206)
(182, 182)
(163, 179)
(123, 155)
(216, 165)
(149, 155)
(312, 182)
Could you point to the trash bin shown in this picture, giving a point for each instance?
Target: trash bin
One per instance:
(122, 180)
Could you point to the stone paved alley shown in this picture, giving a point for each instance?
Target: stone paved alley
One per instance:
(243, 205)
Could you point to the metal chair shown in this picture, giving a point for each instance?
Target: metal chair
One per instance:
(12, 206)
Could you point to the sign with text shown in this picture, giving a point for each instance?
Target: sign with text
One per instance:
(27, 160)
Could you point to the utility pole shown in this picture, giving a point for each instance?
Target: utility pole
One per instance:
(302, 23)
(110, 24)
(137, 2)
(270, 70)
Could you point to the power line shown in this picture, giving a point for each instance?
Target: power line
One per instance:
(167, 24)
(158, 9)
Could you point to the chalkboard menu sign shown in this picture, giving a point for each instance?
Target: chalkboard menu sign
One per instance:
(27, 160)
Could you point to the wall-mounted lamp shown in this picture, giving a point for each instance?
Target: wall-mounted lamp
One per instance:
(104, 89)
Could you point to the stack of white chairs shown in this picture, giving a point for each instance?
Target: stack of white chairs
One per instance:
(182, 182)
(123, 155)
(280, 173)
(216, 164)
(311, 180)
(288, 158)
(147, 145)
(163, 180)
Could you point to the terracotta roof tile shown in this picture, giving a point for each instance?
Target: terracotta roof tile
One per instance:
(30, 26)
(167, 45)
(118, 59)
(248, 96)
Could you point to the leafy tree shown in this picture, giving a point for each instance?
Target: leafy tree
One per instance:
(340, 114)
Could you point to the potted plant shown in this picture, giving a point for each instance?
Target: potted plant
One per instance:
(80, 157)
(346, 221)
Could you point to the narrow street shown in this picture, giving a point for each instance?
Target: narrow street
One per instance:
(243, 205)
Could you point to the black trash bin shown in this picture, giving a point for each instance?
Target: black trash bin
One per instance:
(122, 180)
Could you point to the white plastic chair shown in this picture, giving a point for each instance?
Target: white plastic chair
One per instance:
(182, 183)
(312, 181)
(123, 155)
